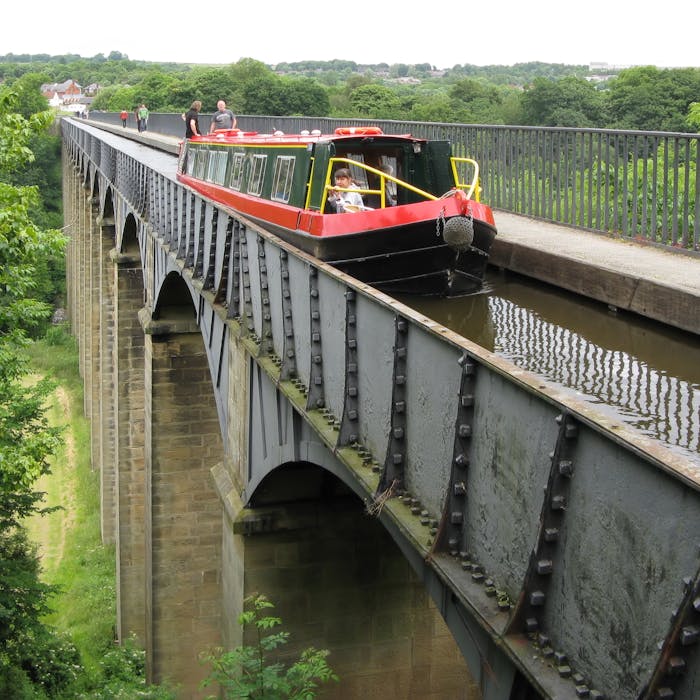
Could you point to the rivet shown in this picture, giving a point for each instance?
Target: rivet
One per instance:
(676, 666)
(460, 488)
(400, 406)
(461, 460)
(398, 433)
(560, 658)
(566, 467)
(400, 379)
(465, 430)
(467, 400)
(558, 503)
(564, 671)
(531, 624)
(352, 391)
(397, 458)
(537, 598)
(456, 518)
(581, 691)
(544, 567)
(551, 534)
(571, 431)
(352, 414)
(690, 635)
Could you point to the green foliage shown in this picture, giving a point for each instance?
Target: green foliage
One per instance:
(122, 677)
(652, 99)
(34, 661)
(569, 101)
(255, 672)
(693, 118)
(375, 102)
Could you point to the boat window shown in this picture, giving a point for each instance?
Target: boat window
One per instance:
(191, 159)
(282, 179)
(216, 169)
(236, 173)
(200, 163)
(359, 175)
(255, 182)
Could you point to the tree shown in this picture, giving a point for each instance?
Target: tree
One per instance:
(569, 101)
(651, 99)
(253, 671)
(376, 102)
(693, 118)
(30, 654)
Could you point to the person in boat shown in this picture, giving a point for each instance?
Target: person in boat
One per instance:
(223, 118)
(192, 120)
(345, 201)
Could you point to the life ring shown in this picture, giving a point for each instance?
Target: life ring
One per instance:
(357, 130)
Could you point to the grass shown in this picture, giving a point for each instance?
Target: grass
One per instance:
(69, 540)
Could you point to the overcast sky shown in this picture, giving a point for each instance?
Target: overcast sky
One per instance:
(442, 33)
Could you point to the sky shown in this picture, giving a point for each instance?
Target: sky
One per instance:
(501, 33)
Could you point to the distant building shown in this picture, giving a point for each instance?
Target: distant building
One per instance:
(67, 95)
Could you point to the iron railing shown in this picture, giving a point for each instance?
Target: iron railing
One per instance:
(641, 185)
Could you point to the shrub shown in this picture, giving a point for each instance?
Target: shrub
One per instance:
(252, 671)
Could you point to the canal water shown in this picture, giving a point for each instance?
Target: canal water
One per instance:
(644, 373)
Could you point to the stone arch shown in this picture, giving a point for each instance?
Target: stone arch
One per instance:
(340, 582)
(129, 244)
(173, 300)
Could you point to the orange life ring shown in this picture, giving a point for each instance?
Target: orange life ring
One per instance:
(357, 130)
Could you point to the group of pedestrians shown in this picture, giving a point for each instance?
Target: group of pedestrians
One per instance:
(140, 117)
(223, 118)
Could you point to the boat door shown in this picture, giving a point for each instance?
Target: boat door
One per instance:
(322, 154)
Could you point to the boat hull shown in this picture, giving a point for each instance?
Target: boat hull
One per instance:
(408, 259)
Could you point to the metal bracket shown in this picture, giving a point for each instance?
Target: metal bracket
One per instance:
(395, 458)
(349, 424)
(316, 397)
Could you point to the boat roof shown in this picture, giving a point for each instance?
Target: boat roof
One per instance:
(237, 136)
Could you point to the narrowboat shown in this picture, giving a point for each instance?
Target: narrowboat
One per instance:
(417, 228)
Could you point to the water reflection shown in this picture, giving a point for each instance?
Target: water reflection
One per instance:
(646, 374)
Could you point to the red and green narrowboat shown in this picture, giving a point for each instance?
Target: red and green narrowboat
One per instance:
(421, 228)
